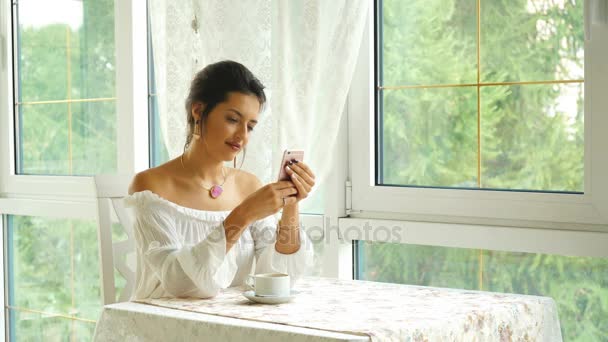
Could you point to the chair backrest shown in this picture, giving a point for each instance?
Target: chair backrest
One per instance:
(114, 219)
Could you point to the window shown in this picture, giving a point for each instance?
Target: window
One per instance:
(579, 285)
(464, 103)
(478, 124)
(64, 123)
(60, 125)
(53, 278)
(65, 92)
(475, 148)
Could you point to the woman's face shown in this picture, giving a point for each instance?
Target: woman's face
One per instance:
(230, 123)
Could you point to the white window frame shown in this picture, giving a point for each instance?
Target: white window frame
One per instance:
(73, 197)
(131, 104)
(4, 284)
(585, 212)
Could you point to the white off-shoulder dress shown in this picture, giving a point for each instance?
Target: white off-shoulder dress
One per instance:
(181, 252)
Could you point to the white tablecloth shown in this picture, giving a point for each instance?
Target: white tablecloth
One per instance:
(143, 322)
(384, 312)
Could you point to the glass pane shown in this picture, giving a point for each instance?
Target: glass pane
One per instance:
(42, 59)
(39, 261)
(420, 265)
(533, 137)
(66, 53)
(159, 153)
(44, 146)
(430, 137)
(93, 66)
(545, 40)
(428, 42)
(53, 267)
(578, 285)
(49, 32)
(83, 331)
(87, 294)
(68, 138)
(158, 148)
(36, 327)
(523, 127)
(94, 137)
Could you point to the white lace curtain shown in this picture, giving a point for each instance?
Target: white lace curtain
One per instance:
(303, 51)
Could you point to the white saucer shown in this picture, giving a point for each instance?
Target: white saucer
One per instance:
(269, 299)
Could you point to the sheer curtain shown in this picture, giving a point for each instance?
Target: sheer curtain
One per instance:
(315, 45)
(303, 51)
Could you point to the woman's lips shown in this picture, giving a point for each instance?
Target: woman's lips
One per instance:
(234, 148)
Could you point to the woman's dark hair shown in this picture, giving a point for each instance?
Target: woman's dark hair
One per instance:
(211, 86)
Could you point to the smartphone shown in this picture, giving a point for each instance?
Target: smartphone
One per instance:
(287, 156)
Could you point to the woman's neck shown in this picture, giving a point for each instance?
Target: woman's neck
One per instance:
(201, 165)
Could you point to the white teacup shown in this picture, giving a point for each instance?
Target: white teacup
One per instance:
(269, 284)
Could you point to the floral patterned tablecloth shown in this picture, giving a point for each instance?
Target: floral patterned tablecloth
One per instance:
(393, 312)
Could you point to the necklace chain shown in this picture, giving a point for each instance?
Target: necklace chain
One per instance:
(181, 159)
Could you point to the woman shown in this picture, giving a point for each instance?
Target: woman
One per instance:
(199, 225)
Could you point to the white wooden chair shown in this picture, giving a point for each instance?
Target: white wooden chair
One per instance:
(119, 255)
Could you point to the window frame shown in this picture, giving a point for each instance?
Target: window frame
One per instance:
(588, 211)
(4, 318)
(495, 238)
(453, 211)
(73, 197)
(131, 107)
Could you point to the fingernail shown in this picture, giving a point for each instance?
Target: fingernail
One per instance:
(287, 168)
(296, 161)
(290, 162)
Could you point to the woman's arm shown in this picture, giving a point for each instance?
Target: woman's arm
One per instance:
(269, 255)
(288, 240)
(288, 237)
(235, 223)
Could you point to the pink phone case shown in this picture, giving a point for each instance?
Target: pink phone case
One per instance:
(287, 156)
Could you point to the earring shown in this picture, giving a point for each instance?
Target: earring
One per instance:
(197, 128)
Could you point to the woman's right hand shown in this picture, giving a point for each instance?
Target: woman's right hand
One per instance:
(268, 199)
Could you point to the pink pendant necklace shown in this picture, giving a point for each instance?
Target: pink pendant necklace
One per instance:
(216, 190)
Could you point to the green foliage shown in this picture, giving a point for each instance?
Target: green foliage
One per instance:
(55, 270)
(531, 138)
(578, 285)
(57, 63)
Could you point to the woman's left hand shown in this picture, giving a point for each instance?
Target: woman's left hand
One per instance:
(302, 177)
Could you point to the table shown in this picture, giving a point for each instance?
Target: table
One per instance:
(131, 321)
(327, 309)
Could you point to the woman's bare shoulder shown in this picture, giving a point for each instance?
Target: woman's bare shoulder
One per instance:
(156, 179)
